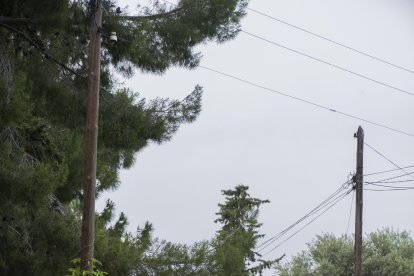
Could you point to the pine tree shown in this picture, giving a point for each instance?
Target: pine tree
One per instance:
(236, 240)
(43, 67)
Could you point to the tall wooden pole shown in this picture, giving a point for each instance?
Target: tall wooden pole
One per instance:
(91, 137)
(359, 201)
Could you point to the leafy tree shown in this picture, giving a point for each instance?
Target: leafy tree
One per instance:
(385, 252)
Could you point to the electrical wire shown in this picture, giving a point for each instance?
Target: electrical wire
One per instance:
(350, 212)
(266, 243)
(389, 186)
(328, 63)
(393, 170)
(40, 49)
(327, 201)
(275, 91)
(381, 183)
(388, 190)
(320, 60)
(306, 101)
(303, 100)
(303, 227)
(386, 158)
(388, 182)
(330, 40)
(394, 177)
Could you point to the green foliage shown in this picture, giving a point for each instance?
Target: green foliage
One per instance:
(385, 252)
(76, 271)
(153, 43)
(166, 258)
(36, 241)
(43, 69)
(231, 252)
(238, 237)
(119, 250)
(49, 84)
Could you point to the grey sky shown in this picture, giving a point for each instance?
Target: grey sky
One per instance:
(291, 153)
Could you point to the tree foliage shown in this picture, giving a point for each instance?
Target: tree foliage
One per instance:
(385, 252)
(166, 258)
(231, 251)
(43, 69)
(236, 240)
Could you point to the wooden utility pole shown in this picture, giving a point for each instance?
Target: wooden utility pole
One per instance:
(91, 137)
(359, 201)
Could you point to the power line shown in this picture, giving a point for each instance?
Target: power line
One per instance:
(287, 95)
(394, 187)
(387, 182)
(327, 39)
(388, 190)
(320, 60)
(381, 172)
(394, 177)
(386, 158)
(328, 63)
(303, 227)
(40, 49)
(266, 243)
(350, 212)
(303, 100)
(331, 40)
(336, 200)
(323, 204)
(306, 101)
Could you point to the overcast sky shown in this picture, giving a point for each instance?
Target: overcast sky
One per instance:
(286, 151)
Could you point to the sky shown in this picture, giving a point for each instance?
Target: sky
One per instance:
(289, 152)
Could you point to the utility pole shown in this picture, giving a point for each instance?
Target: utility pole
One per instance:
(359, 201)
(91, 137)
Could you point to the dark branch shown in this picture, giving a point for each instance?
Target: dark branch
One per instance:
(153, 16)
(10, 20)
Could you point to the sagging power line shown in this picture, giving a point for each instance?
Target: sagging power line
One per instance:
(329, 63)
(319, 60)
(331, 40)
(389, 160)
(306, 101)
(331, 199)
(328, 206)
(387, 171)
